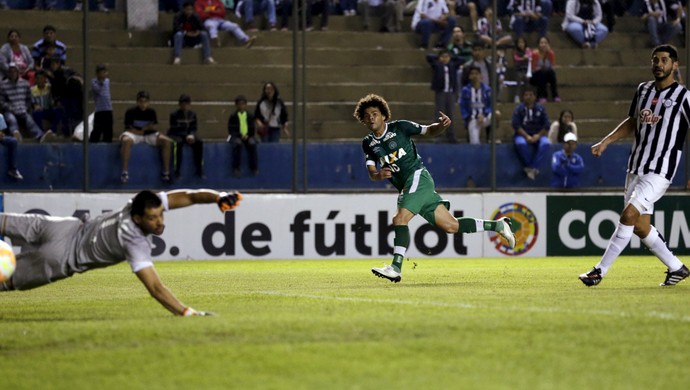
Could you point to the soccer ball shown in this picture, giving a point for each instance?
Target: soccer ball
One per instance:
(7, 261)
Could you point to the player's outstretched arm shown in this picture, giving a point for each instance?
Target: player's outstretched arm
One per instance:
(624, 129)
(182, 198)
(149, 277)
(439, 127)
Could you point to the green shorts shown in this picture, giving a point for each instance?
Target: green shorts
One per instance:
(420, 196)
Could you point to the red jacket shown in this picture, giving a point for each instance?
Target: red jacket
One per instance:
(207, 9)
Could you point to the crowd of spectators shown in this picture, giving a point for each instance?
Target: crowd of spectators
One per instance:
(41, 96)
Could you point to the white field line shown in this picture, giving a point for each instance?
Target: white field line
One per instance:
(529, 309)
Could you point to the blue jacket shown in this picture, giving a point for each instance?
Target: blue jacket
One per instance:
(566, 170)
(470, 111)
(533, 122)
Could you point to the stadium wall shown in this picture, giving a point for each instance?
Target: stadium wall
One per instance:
(343, 226)
(330, 166)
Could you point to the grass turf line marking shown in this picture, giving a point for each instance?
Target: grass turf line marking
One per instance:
(530, 309)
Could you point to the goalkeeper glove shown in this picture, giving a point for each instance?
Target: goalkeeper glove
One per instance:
(228, 201)
(188, 312)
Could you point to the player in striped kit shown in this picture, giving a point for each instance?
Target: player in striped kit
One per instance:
(390, 147)
(659, 117)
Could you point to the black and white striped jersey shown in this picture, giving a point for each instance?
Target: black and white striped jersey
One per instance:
(662, 124)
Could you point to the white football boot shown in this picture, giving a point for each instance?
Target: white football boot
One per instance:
(507, 231)
(387, 272)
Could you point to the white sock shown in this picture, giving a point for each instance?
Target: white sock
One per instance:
(480, 224)
(619, 240)
(399, 250)
(656, 244)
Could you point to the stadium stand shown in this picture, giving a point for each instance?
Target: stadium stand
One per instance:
(343, 63)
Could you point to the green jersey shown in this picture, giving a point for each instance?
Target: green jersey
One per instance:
(395, 150)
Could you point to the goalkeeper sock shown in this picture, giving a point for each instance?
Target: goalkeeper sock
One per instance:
(473, 225)
(401, 242)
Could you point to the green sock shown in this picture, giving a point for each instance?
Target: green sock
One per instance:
(492, 226)
(469, 225)
(401, 242)
(397, 262)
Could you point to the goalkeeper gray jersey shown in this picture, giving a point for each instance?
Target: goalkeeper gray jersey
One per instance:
(111, 238)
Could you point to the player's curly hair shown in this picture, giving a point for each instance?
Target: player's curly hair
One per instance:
(145, 200)
(372, 100)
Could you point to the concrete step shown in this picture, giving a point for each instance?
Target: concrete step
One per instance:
(69, 20)
(343, 92)
(117, 38)
(233, 73)
(331, 56)
(334, 120)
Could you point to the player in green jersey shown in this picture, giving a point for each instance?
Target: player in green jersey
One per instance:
(391, 154)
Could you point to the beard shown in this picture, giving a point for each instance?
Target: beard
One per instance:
(664, 75)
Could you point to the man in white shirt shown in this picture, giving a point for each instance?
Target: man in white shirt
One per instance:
(433, 16)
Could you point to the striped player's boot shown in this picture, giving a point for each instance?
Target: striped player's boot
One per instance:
(591, 278)
(672, 278)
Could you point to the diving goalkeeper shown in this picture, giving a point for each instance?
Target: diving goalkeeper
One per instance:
(55, 248)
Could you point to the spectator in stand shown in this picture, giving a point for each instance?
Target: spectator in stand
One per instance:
(4, 5)
(582, 22)
(212, 13)
(522, 61)
(48, 5)
(67, 88)
(527, 16)
(349, 7)
(531, 125)
(433, 16)
(249, 8)
(460, 49)
(188, 31)
(471, 8)
(314, 8)
(567, 165)
(390, 12)
(270, 114)
(475, 106)
(48, 55)
(15, 51)
(543, 72)
(10, 143)
(140, 127)
(183, 131)
(444, 83)
(103, 112)
(663, 20)
(241, 134)
(480, 61)
(485, 33)
(38, 51)
(100, 5)
(15, 93)
(43, 107)
(564, 125)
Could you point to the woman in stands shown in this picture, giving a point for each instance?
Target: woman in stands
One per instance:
(543, 73)
(15, 51)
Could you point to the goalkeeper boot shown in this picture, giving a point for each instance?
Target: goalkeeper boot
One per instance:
(591, 278)
(672, 278)
(506, 231)
(387, 272)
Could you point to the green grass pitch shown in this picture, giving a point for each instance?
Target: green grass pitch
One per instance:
(331, 324)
